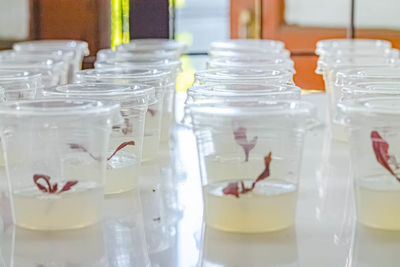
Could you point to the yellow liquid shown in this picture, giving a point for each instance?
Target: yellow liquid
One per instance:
(378, 203)
(122, 174)
(269, 207)
(79, 207)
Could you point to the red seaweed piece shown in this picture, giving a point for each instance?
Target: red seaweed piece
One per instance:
(381, 150)
(233, 188)
(83, 149)
(51, 189)
(241, 139)
(121, 146)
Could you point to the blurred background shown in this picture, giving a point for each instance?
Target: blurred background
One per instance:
(299, 23)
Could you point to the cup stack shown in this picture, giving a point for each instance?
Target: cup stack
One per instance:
(344, 62)
(249, 123)
(362, 79)
(157, 54)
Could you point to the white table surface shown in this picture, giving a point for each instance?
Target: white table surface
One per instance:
(168, 231)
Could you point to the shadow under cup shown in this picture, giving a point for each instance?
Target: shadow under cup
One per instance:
(250, 154)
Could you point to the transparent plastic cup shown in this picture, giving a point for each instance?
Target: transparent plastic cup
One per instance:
(329, 69)
(234, 92)
(245, 76)
(155, 78)
(270, 54)
(80, 49)
(329, 45)
(153, 44)
(53, 72)
(373, 125)
(55, 153)
(245, 45)
(248, 62)
(18, 85)
(56, 56)
(171, 66)
(122, 171)
(250, 154)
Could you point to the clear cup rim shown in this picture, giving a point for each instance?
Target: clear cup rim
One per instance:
(322, 66)
(235, 43)
(278, 63)
(100, 90)
(250, 53)
(160, 64)
(153, 44)
(252, 107)
(363, 72)
(373, 88)
(245, 74)
(326, 44)
(17, 75)
(105, 54)
(367, 106)
(52, 107)
(143, 74)
(249, 90)
(76, 45)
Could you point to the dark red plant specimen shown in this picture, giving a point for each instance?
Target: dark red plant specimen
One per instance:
(234, 189)
(241, 139)
(121, 146)
(152, 112)
(381, 149)
(83, 149)
(51, 188)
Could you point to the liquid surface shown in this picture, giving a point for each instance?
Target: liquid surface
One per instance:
(79, 207)
(270, 206)
(378, 202)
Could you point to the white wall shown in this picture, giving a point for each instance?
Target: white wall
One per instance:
(14, 19)
(335, 13)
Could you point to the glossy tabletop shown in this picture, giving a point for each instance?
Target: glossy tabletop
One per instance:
(161, 224)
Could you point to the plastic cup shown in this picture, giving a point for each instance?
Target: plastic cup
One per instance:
(19, 84)
(373, 125)
(256, 63)
(234, 92)
(330, 67)
(245, 45)
(57, 56)
(245, 76)
(53, 72)
(171, 66)
(153, 44)
(122, 171)
(353, 76)
(80, 49)
(255, 147)
(55, 153)
(154, 78)
(329, 45)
